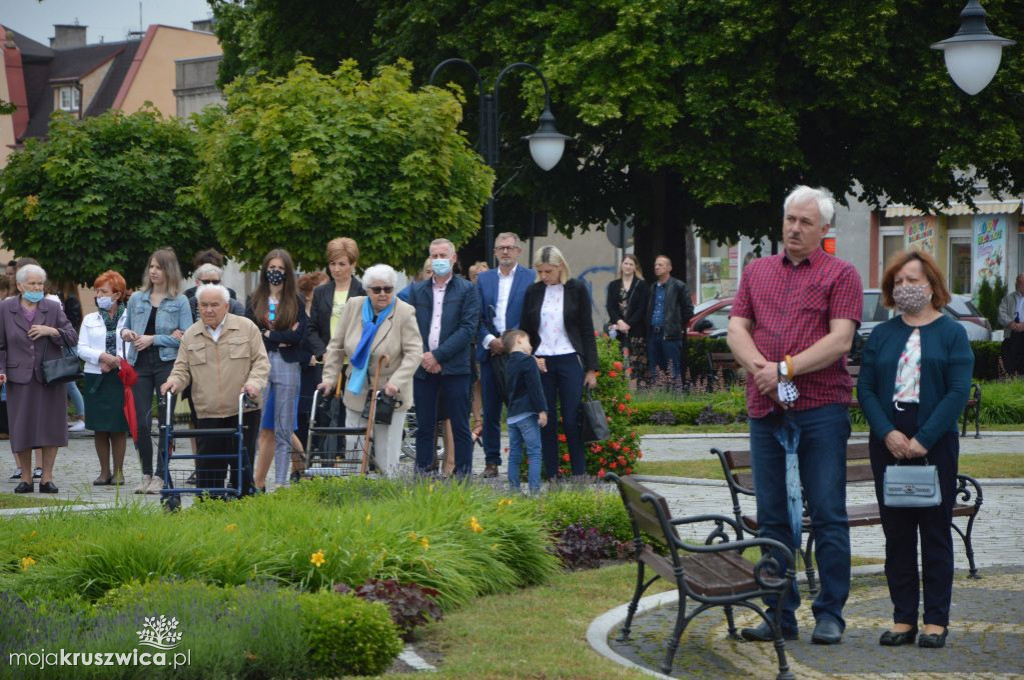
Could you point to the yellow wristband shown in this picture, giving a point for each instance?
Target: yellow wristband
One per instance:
(789, 367)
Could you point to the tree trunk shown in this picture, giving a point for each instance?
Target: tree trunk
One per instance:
(665, 231)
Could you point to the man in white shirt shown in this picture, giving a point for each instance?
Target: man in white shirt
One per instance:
(1011, 317)
(502, 292)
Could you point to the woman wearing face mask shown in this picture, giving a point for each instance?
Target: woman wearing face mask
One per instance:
(914, 382)
(157, 316)
(280, 313)
(100, 345)
(33, 330)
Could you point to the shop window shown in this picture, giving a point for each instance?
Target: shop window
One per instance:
(960, 264)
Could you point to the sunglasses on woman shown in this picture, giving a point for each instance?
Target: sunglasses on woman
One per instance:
(377, 290)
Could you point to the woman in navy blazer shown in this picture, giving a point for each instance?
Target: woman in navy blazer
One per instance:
(556, 314)
(914, 382)
(32, 330)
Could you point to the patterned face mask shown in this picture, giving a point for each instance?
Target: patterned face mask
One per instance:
(911, 298)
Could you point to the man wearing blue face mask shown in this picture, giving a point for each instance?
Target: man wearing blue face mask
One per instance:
(447, 313)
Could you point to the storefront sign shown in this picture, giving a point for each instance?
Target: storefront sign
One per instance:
(920, 233)
(988, 247)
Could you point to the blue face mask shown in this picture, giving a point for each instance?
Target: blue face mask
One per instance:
(441, 267)
(33, 296)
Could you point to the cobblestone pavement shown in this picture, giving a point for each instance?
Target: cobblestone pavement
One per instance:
(986, 638)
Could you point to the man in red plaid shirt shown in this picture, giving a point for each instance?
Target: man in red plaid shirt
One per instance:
(791, 325)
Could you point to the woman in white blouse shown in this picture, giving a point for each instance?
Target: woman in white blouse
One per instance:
(99, 345)
(557, 316)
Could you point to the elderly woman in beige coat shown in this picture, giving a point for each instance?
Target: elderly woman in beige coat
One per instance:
(374, 326)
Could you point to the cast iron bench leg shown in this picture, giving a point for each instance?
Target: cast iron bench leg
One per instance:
(677, 633)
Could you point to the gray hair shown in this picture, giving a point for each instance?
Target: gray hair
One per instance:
(207, 268)
(25, 271)
(221, 291)
(381, 274)
(509, 234)
(802, 194)
(439, 241)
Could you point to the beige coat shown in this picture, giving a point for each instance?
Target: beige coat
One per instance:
(218, 370)
(398, 338)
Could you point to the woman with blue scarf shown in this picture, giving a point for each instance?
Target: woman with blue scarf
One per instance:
(377, 325)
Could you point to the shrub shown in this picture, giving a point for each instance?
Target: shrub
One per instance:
(582, 547)
(987, 357)
(410, 604)
(592, 508)
(347, 636)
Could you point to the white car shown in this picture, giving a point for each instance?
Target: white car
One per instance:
(960, 309)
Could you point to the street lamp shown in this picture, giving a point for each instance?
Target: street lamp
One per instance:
(974, 52)
(546, 144)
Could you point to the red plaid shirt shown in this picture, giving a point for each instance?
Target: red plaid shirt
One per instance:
(791, 307)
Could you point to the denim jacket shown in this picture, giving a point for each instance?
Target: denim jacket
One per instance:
(172, 314)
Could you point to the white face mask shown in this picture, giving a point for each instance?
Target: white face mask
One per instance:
(911, 298)
(105, 302)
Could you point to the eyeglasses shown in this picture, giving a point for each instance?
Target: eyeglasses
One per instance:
(377, 290)
(211, 282)
(505, 248)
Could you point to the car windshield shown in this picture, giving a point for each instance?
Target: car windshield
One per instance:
(962, 306)
(873, 308)
(719, 318)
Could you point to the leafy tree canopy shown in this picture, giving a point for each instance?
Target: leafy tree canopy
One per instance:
(702, 111)
(103, 193)
(297, 160)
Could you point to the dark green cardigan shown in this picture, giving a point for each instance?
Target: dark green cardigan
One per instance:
(947, 363)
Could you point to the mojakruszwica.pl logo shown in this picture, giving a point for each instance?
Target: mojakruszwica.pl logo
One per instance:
(158, 632)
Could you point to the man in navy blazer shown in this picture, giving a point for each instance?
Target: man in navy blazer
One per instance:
(447, 313)
(502, 292)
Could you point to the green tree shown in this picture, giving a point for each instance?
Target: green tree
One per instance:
(300, 159)
(704, 112)
(102, 193)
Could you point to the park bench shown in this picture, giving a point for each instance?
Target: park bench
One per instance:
(725, 363)
(736, 467)
(712, 574)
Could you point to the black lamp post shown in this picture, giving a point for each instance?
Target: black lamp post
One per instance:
(974, 52)
(546, 144)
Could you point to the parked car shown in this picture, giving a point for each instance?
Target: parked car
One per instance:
(960, 309)
(710, 319)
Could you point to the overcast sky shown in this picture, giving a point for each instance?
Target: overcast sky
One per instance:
(111, 19)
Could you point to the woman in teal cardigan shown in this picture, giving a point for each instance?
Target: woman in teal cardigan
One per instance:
(914, 382)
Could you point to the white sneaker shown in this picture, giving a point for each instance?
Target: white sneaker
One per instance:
(76, 426)
(156, 485)
(141, 488)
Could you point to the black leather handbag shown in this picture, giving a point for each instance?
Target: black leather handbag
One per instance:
(64, 369)
(385, 408)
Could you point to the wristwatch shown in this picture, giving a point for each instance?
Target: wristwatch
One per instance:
(783, 371)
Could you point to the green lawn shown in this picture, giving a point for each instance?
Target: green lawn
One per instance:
(743, 428)
(981, 465)
(9, 501)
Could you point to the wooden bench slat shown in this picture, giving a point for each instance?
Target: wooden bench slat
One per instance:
(718, 574)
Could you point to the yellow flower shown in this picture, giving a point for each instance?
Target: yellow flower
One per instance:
(474, 525)
(231, 527)
(317, 559)
(369, 517)
(504, 502)
(425, 543)
(26, 562)
(494, 546)
(413, 536)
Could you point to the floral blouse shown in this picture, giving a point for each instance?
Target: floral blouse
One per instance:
(908, 371)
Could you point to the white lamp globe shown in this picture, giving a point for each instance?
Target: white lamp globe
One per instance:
(974, 52)
(547, 144)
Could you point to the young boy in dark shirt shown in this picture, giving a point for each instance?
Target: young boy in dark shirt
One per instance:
(527, 408)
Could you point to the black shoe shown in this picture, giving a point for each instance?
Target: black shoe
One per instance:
(48, 487)
(764, 633)
(893, 639)
(24, 487)
(16, 476)
(933, 640)
(37, 473)
(490, 470)
(827, 632)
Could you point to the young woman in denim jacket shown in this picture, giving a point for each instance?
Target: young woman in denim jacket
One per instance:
(158, 315)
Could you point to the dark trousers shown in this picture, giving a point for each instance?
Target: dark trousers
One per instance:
(210, 471)
(563, 380)
(491, 413)
(453, 392)
(663, 354)
(152, 374)
(1013, 353)
(902, 526)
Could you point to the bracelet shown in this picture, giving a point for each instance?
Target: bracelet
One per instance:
(789, 367)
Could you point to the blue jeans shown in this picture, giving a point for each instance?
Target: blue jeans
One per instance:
(75, 395)
(564, 380)
(427, 388)
(525, 432)
(822, 455)
(661, 354)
